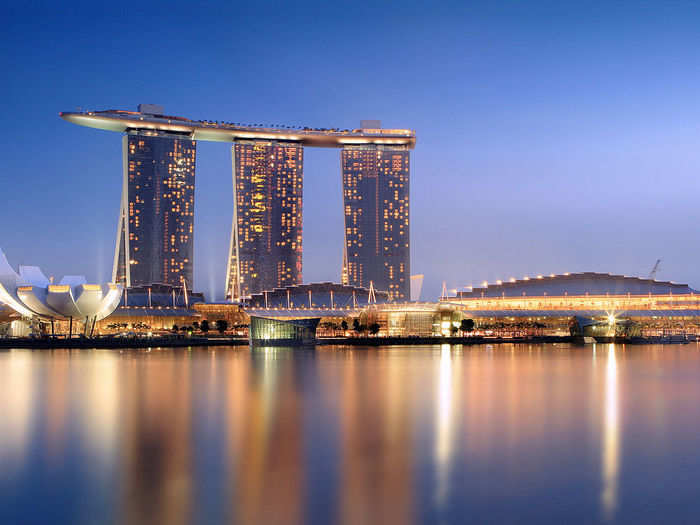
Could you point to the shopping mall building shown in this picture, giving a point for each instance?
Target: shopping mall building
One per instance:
(550, 303)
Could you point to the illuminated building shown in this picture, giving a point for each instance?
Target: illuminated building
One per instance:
(266, 234)
(576, 292)
(660, 307)
(271, 331)
(376, 206)
(316, 295)
(266, 238)
(35, 297)
(155, 236)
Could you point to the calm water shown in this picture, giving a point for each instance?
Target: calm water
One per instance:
(503, 433)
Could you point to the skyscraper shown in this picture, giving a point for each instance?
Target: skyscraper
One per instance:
(376, 206)
(266, 234)
(155, 235)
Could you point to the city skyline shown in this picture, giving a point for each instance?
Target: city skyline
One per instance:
(552, 139)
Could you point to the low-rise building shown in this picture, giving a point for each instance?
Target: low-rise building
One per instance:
(550, 302)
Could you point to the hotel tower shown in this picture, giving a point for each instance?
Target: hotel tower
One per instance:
(266, 234)
(155, 241)
(376, 207)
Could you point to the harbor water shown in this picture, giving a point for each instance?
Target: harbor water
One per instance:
(508, 433)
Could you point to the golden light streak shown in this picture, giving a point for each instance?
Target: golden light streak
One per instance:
(443, 424)
(611, 439)
(17, 387)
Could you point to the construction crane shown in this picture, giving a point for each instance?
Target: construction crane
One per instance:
(652, 273)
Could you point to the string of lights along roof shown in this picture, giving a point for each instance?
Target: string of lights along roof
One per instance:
(155, 234)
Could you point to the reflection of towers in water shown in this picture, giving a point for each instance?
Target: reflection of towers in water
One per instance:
(266, 422)
(18, 385)
(376, 442)
(155, 234)
(57, 384)
(156, 443)
(266, 235)
(376, 208)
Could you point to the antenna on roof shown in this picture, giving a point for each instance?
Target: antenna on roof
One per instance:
(654, 270)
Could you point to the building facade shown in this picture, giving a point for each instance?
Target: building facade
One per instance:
(155, 235)
(266, 234)
(267, 331)
(317, 295)
(551, 302)
(376, 209)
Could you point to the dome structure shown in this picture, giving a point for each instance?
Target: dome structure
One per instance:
(31, 294)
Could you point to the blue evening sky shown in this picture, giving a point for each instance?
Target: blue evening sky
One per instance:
(552, 136)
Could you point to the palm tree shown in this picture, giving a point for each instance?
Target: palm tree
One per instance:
(222, 326)
(467, 325)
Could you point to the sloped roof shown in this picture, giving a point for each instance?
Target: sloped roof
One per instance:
(590, 283)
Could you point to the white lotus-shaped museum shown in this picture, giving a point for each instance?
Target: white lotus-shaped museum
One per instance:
(32, 295)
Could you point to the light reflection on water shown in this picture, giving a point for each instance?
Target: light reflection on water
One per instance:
(345, 435)
(443, 420)
(611, 431)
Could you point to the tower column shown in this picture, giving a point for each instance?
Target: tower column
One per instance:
(376, 209)
(265, 247)
(155, 231)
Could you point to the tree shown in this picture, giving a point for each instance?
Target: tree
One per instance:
(175, 328)
(453, 330)
(195, 325)
(204, 327)
(374, 328)
(356, 325)
(344, 325)
(467, 325)
(222, 326)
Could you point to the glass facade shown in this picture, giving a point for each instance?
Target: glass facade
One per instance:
(266, 234)
(155, 237)
(266, 331)
(376, 208)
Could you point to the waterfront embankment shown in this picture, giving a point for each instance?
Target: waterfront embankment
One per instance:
(371, 341)
(119, 342)
(438, 340)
